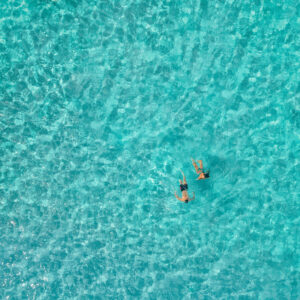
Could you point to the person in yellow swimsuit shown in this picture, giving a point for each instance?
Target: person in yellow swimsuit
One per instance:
(184, 187)
(199, 170)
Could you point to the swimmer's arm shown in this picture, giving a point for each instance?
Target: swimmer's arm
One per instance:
(193, 196)
(180, 199)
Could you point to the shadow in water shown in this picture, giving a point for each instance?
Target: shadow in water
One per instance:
(217, 165)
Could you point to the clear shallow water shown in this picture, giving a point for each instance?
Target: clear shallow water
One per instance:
(102, 104)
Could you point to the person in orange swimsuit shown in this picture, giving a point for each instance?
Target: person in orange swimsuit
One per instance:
(200, 170)
(184, 187)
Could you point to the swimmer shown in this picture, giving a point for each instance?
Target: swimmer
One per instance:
(184, 187)
(199, 170)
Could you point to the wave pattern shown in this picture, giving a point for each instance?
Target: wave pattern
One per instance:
(102, 103)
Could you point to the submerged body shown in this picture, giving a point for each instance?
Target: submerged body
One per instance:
(199, 170)
(183, 188)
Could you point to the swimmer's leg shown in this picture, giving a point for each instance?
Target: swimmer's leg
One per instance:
(184, 179)
(201, 164)
(195, 166)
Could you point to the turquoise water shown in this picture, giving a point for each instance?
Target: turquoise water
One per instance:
(102, 104)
